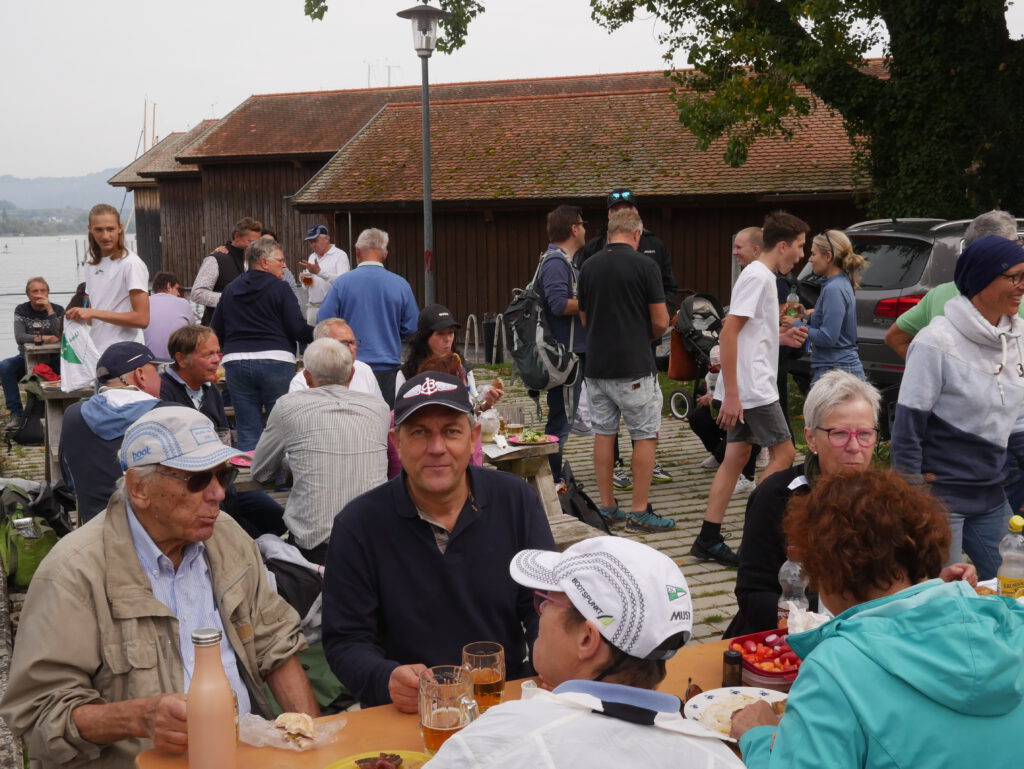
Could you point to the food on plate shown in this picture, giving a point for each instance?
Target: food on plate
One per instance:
(383, 761)
(533, 436)
(772, 655)
(982, 590)
(298, 728)
(718, 715)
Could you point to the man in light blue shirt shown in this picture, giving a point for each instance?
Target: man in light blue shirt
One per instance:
(379, 307)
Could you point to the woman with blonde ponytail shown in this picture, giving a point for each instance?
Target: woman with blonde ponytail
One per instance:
(832, 325)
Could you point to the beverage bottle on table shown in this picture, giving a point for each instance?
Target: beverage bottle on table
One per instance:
(794, 584)
(212, 709)
(1011, 571)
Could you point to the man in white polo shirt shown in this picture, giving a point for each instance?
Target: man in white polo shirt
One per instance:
(325, 264)
(363, 379)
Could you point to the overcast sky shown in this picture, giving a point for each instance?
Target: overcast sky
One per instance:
(76, 74)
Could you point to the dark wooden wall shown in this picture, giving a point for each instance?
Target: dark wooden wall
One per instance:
(147, 227)
(259, 190)
(481, 255)
(181, 226)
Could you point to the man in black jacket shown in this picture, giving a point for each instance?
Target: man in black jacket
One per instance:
(652, 246)
(219, 269)
(191, 381)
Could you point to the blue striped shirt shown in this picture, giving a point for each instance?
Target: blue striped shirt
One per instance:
(188, 593)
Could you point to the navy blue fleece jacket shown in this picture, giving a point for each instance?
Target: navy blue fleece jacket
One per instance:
(258, 312)
(391, 597)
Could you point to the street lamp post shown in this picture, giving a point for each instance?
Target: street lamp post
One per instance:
(424, 36)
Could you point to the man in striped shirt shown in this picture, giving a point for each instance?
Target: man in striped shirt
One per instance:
(335, 440)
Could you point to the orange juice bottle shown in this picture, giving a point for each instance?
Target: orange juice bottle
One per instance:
(212, 720)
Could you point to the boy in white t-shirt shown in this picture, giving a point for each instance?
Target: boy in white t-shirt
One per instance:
(117, 282)
(747, 386)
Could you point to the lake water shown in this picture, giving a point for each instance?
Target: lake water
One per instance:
(53, 257)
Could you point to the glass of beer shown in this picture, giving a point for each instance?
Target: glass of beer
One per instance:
(446, 703)
(486, 662)
(513, 420)
(306, 277)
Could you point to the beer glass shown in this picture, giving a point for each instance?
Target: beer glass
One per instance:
(486, 662)
(513, 420)
(446, 703)
(306, 277)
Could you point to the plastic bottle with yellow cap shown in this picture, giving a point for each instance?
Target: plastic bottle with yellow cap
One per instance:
(1011, 571)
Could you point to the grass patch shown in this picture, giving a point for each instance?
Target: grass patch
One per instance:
(714, 619)
(712, 593)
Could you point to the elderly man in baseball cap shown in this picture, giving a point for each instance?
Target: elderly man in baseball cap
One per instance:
(961, 403)
(130, 587)
(611, 612)
(416, 568)
(323, 267)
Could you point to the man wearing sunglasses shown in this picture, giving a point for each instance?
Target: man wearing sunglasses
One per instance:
(104, 653)
(618, 199)
(612, 611)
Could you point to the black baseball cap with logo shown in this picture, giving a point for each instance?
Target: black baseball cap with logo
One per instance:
(436, 317)
(431, 388)
(122, 358)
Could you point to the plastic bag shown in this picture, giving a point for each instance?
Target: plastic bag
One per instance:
(78, 357)
(259, 732)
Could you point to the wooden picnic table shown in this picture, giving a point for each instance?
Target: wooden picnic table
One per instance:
(385, 729)
(55, 403)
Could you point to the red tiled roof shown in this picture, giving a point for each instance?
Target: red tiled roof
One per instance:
(320, 123)
(569, 147)
(129, 175)
(163, 162)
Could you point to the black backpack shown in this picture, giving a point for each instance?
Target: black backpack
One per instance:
(575, 502)
(542, 361)
(28, 429)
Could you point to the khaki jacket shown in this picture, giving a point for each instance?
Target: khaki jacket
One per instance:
(92, 632)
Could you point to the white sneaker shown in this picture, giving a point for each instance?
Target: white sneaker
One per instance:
(744, 486)
(710, 463)
(763, 458)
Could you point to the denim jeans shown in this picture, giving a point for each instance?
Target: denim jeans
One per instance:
(559, 422)
(978, 534)
(255, 385)
(11, 372)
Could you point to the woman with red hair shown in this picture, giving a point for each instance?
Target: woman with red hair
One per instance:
(913, 671)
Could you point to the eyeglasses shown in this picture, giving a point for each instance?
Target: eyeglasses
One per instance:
(839, 438)
(196, 482)
(352, 343)
(541, 598)
(580, 223)
(620, 196)
(1015, 278)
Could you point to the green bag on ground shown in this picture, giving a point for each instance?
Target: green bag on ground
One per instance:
(22, 546)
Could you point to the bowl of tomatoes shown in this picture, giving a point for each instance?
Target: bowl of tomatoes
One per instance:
(767, 659)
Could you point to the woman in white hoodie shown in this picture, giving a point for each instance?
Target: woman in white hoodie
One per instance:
(962, 396)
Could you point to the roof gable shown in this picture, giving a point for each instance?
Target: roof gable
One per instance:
(129, 175)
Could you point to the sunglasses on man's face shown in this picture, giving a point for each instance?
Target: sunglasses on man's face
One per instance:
(196, 482)
(621, 196)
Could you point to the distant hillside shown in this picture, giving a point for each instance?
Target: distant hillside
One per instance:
(62, 191)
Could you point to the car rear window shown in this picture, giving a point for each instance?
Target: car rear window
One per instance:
(892, 262)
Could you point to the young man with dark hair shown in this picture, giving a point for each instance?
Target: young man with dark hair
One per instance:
(747, 385)
(167, 313)
(556, 283)
(223, 266)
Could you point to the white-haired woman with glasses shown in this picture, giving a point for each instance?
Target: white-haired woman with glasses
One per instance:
(832, 324)
(841, 428)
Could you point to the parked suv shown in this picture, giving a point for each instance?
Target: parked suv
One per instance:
(906, 258)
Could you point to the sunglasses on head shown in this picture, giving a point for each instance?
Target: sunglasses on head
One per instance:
(196, 482)
(620, 196)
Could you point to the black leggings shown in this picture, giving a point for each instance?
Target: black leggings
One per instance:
(704, 426)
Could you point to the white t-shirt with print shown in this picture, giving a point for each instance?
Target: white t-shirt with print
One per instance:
(109, 284)
(756, 298)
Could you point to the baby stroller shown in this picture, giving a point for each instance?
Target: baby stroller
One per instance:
(697, 326)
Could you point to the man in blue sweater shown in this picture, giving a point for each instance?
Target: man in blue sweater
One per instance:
(378, 305)
(418, 567)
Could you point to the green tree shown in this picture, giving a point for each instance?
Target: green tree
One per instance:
(936, 126)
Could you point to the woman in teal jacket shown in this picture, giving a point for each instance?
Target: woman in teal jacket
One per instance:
(912, 672)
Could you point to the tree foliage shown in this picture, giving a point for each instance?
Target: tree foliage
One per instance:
(936, 125)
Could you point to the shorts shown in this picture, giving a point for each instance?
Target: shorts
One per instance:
(764, 426)
(638, 401)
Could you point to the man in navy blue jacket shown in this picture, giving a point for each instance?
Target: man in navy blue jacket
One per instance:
(418, 567)
(259, 324)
